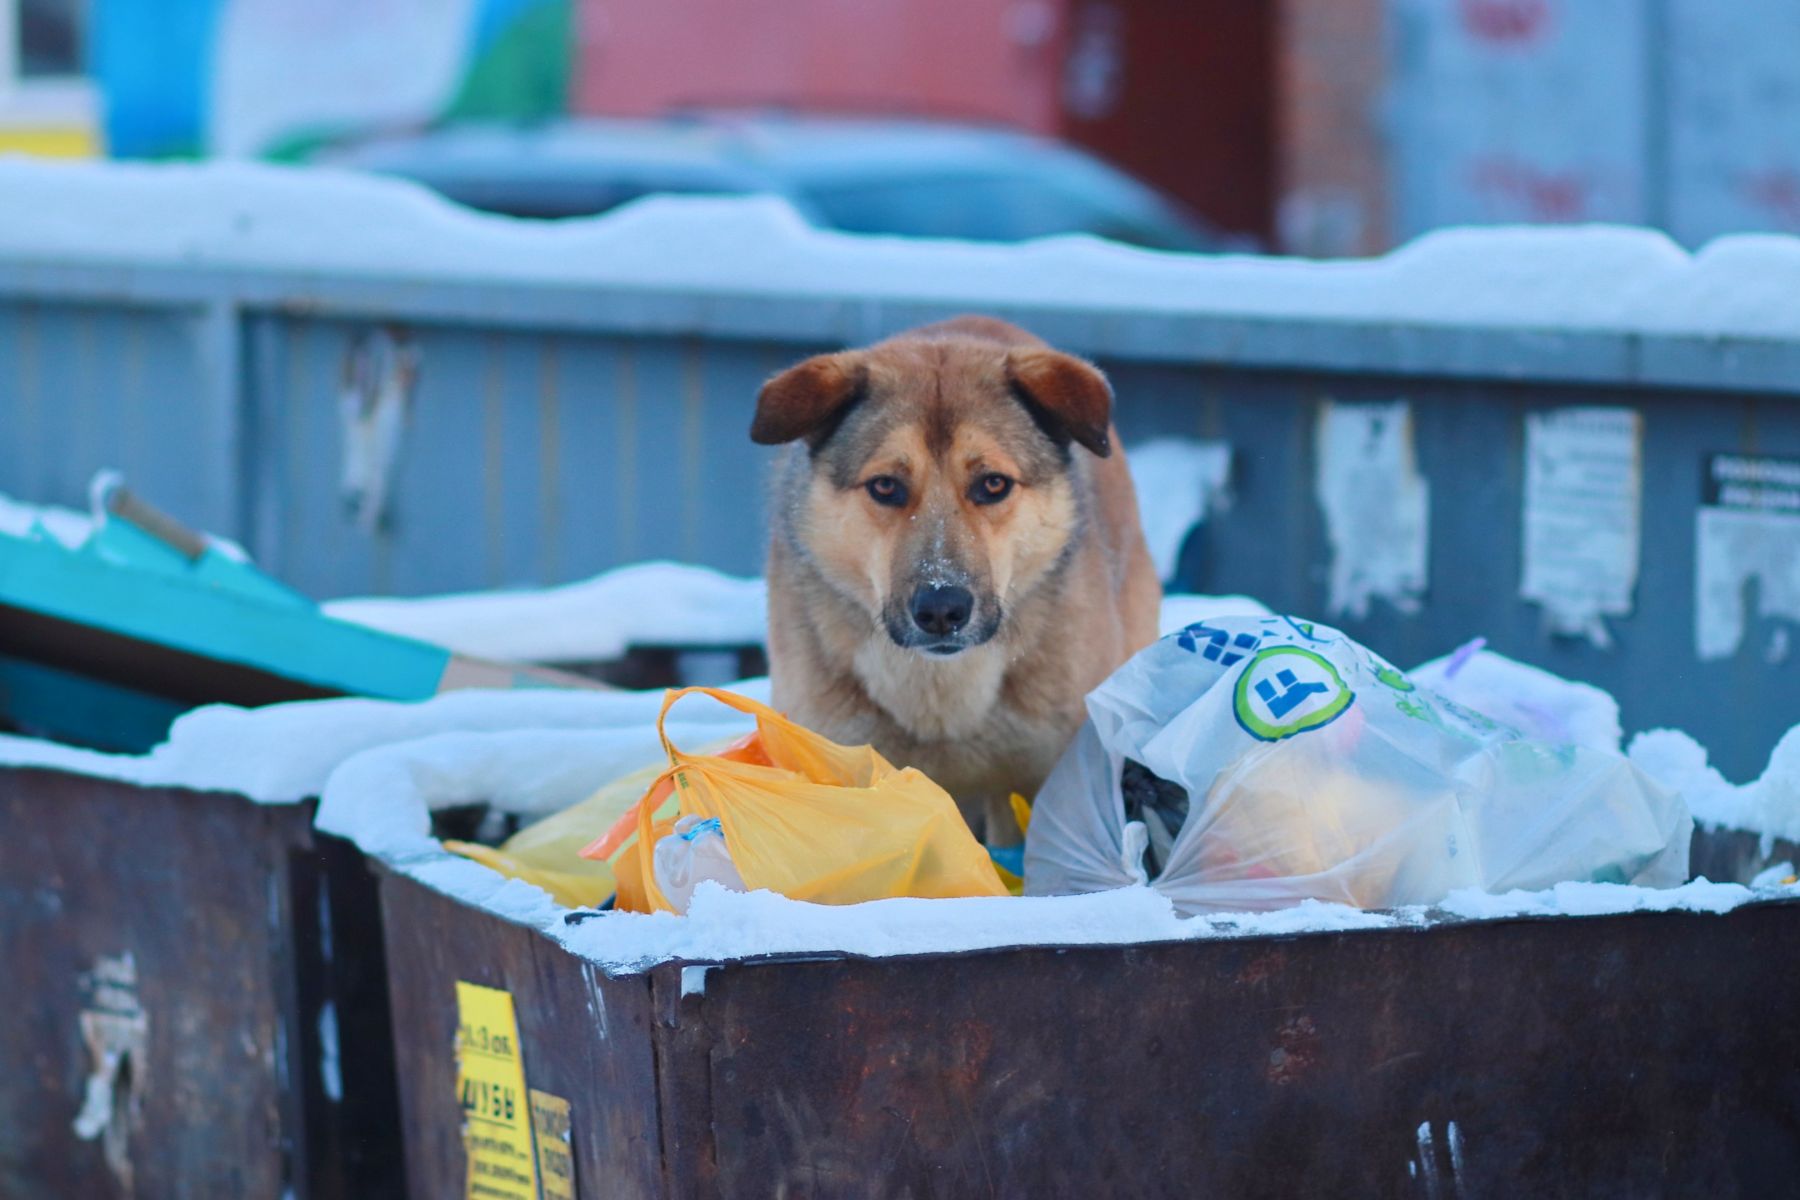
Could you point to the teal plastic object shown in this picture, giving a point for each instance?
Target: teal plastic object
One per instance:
(104, 642)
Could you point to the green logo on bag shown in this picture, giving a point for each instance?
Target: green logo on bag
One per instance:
(1287, 690)
(1393, 679)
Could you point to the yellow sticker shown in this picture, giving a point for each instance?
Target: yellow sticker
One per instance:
(555, 1147)
(490, 1084)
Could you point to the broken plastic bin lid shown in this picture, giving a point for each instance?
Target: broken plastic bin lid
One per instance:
(109, 632)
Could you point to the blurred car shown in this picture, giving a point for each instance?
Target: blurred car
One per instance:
(861, 175)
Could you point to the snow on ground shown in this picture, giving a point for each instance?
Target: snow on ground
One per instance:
(316, 221)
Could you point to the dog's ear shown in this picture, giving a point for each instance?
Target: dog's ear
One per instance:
(1068, 397)
(808, 400)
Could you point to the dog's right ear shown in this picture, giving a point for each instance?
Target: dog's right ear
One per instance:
(808, 400)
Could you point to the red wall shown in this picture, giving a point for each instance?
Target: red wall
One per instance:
(1178, 92)
(1181, 94)
(990, 59)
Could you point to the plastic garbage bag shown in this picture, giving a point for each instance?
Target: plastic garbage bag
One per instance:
(805, 817)
(694, 850)
(1538, 704)
(1247, 764)
(548, 851)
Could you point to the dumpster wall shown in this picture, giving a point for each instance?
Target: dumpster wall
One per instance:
(1637, 1054)
(197, 1002)
(582, 393)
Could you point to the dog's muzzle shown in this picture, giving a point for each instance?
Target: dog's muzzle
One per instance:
(940, 621)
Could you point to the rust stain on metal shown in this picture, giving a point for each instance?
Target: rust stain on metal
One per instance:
(1296, 1050)
(1259, 969)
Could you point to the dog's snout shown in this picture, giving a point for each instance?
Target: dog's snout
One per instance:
(941, 611)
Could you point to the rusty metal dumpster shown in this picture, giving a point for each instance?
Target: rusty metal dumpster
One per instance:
(1630, 1055)
(196, 999)
(196, 1003)
(1419, 1054)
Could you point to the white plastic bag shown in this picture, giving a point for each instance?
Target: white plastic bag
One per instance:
(695, 851)
(1539, 705)
(1313, 768)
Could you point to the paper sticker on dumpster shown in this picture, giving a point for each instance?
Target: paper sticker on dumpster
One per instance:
(1376, 503)
(555, 1151)
(1584, 481)
(490, 1085)
(1747, 534)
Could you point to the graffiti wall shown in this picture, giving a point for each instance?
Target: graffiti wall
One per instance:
(1519, 110)
(1733, 117)
(272, 78)
(1683, 114)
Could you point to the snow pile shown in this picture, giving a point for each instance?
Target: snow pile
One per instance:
(1769, 806)
(724, 925)
(1605, 899)
(65, 525)
(284, 753)
(317, 221)
(1540, 705)
(647, 604)
(382, 800)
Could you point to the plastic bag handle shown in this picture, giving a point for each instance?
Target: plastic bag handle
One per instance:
(628, 822)
(743, 704)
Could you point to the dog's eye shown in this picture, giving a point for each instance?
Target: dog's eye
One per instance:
(991, 489)
(885, 489)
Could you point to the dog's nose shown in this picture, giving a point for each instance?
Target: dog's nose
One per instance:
(942, 610)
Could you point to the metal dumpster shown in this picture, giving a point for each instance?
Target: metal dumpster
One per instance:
(1622, 1055)
(196, 998)
(197, 1001)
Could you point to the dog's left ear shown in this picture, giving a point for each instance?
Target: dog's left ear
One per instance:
(1067, 395)
(808, 400)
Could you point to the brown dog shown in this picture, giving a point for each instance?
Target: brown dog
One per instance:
(956, 558)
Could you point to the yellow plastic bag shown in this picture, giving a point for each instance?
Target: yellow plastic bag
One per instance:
(548, 852)
(808, 818)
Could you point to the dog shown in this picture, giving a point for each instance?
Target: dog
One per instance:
(955, 556)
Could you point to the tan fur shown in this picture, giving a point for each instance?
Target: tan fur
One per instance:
(1061, 561)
